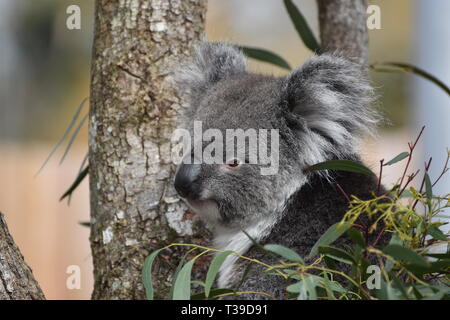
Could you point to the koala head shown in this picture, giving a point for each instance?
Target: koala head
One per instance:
(318, 111)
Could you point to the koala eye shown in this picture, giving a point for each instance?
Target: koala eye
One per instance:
(233, 163)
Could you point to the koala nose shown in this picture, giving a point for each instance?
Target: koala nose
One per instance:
(186, 183)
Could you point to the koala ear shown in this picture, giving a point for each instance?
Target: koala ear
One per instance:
(332, 95)
(210, 63)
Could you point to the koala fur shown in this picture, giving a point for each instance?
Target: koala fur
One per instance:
(320, 109)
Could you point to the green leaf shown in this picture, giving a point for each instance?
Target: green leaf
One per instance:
(341, 165)
(332, 285)
(65, 135)
(417, 292)
(337, 254)
(147, 273)
(395, 240)
(330, 263)
(438, 255)
(399, 284)
(437, 234)
(440, 266)
(198, 282)
(284, 252)
(295, 287)
(306, 287)
(438, 295)
(214, 270)
(302, 26)
(398, 158)
(310, 284)
(265, 56)
(363, 265)
(391, 292)
(85, 223)
(382, 293)
(402, 253)
(72, 139)
(85, 159)
(333, 232)
(321, 282)
(429, 191)
(177, 271)
(356, 237)
(182, 286)
(404, 67)
(406, 194)
(76, 183)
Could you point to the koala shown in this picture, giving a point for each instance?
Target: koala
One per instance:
(320, 110)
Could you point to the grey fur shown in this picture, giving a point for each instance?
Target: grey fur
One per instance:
(320, 109)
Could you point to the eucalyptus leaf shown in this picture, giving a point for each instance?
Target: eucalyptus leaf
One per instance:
(65, 135)
(438, 255)
(333, 232)
(72, 139)
(147, 274)
(85, 223)
(337, 254)
(399, 252)
(284, 252)
(76, 183)
(397, 158)
(438, 295)
(405, 67)
(399, 284)
(182, 286)
(302, 27)
(265, 56)
(356, 237)
(177, 271)
(341, 165)
(437, 234)
(214, 270)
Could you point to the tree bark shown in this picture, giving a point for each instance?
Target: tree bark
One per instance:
(343, 28)
(134, 208)
(16, 278)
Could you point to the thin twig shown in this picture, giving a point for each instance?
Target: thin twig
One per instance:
(378, 238)
(444, 171)
(410, 179)
(411, 150)
(343, 192)
(379, 178)
(427, 166)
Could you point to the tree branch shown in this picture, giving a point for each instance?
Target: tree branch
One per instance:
(16, 278)
(133, 110)
(343, 28)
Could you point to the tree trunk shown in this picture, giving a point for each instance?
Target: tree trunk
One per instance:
(16, 279)
(343, 28)
(134, 208)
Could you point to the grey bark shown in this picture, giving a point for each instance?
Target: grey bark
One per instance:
(16, 278)
(134, 208)
(343, 28)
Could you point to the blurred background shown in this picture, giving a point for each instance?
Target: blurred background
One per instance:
(44, 76)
